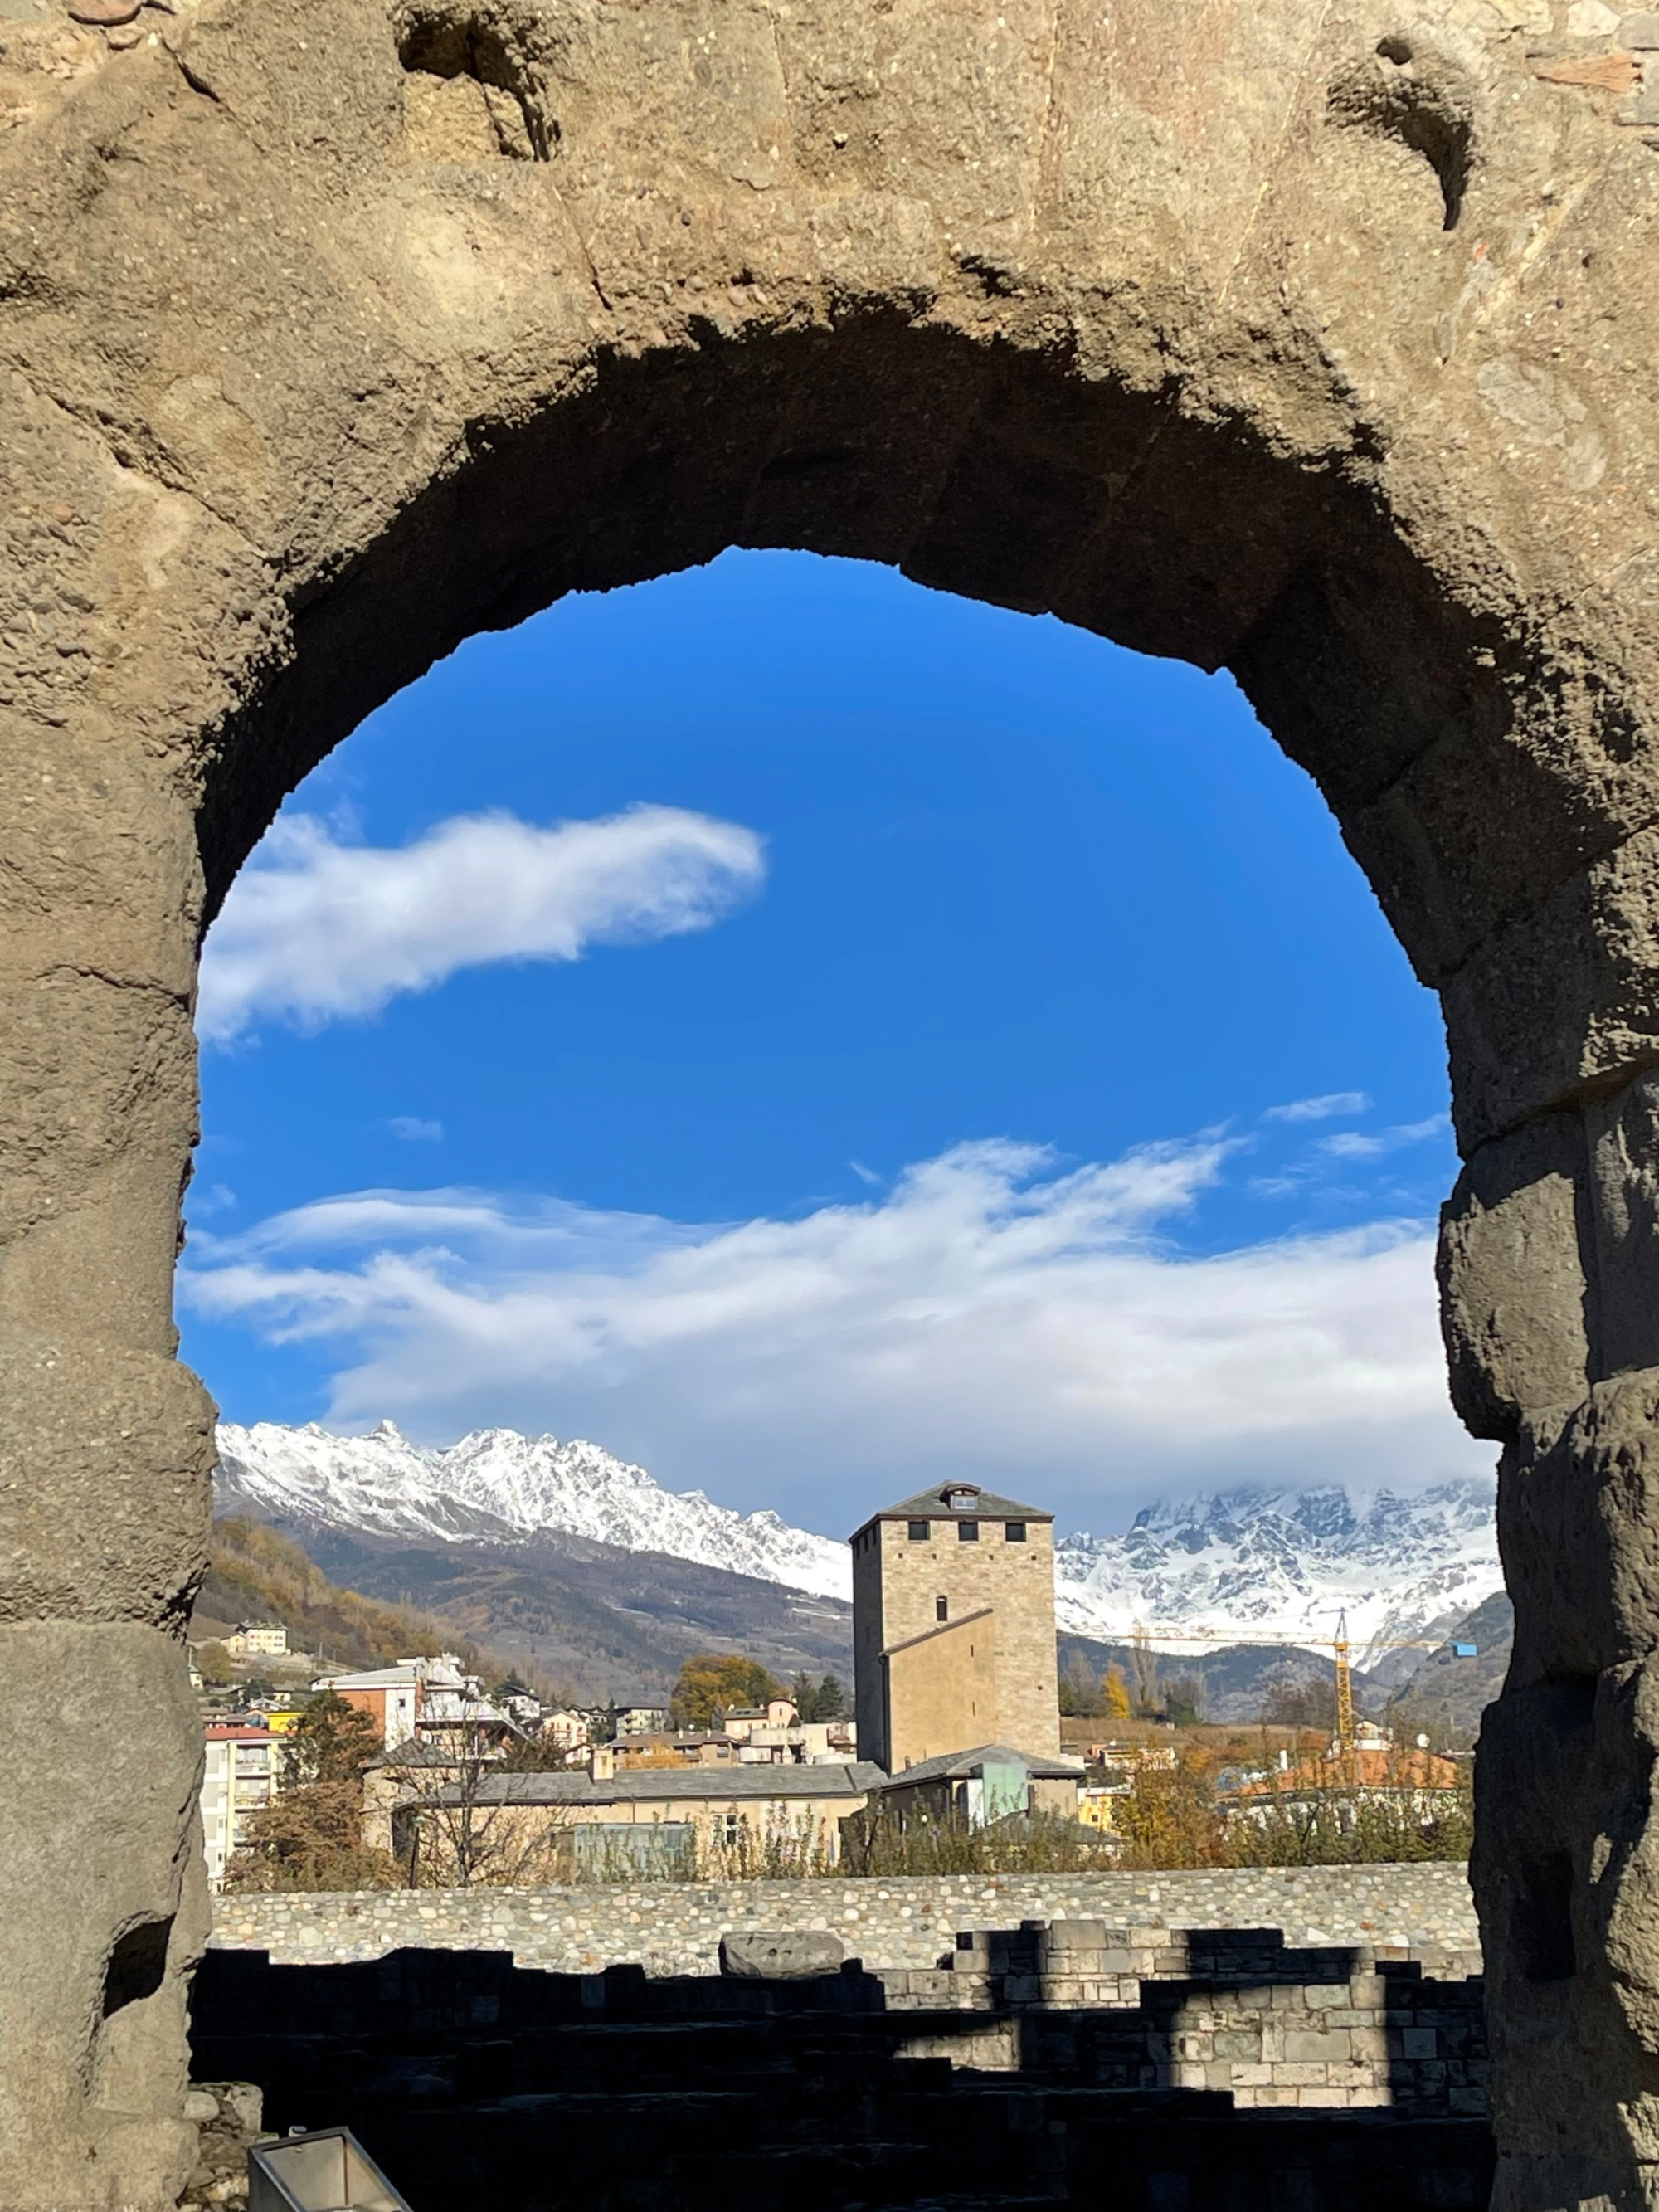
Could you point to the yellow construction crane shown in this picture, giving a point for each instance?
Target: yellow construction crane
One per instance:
(1141, 1639)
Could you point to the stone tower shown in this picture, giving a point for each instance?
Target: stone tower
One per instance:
(953, 1627)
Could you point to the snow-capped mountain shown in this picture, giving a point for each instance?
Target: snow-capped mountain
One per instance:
(497, 1486)
(1281, 1564)
(1252, 1563)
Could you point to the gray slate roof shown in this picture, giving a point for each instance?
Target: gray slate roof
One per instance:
(657, 1785)
(930, 1505)
(963, 1765)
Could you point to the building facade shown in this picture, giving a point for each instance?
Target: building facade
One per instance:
(258, 1640)
(953, 1627)
(429, 1698)
(240, 1775)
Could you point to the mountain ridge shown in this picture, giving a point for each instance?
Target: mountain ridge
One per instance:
(1264, 1564)
(1281, 1564)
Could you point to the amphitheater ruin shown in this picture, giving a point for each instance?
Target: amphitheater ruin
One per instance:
(1315, 340)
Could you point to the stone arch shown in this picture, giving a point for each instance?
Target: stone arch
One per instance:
(1314, 341)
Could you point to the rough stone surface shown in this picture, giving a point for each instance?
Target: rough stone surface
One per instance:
(1315, 340)
(1423, 1912)
(759, 1954)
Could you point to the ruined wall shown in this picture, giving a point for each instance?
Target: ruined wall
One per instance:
(1315, 340)
(910, 1922)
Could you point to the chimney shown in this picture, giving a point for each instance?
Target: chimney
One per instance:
(603, 1767)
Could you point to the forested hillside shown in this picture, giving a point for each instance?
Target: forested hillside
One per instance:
(254, 1573)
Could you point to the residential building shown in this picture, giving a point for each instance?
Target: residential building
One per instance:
(241, 1774)
(422, 1697)
(1096, 1804)
(694, 1747)
(258, 1640)
(975, 1788)
(737, 1813)
(637, 1715)
(776, 1713)
(953, 1627)
(797, 1743)
(567, 1729)
(1416, 1781)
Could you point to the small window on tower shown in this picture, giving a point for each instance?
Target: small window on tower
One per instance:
(941, 1609)
(967, 1532)
(919, 1531)
(1014, 1531)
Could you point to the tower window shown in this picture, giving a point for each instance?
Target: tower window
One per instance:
(919, 1531)
(941, 1609)
(967, 1532)
(1014, 1531)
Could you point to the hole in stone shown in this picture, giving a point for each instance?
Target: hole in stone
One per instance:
(1422, 103)
(1543, 1922)
(505, 116)
(137, 1965)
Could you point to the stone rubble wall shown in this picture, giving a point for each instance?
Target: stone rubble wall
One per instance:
(1343, 2026)
(1421, 1911)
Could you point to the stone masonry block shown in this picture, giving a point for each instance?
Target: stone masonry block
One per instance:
(1310, 2047)
(1237, 2043)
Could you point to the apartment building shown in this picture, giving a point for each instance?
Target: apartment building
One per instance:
(240, 1775)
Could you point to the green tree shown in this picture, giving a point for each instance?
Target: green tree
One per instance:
(831, 1700)
(213, 1660)
(714, 1682)
(331, 1741)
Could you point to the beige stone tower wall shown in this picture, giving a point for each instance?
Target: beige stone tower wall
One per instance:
(897, 1585)
(941, 1691)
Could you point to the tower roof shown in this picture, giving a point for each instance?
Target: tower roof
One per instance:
(957, 1501)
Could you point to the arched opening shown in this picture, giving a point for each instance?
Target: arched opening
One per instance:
(1259, 532)
(1014, 886)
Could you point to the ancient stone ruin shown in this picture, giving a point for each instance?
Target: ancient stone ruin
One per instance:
(1314, 340)
(1055, 2064)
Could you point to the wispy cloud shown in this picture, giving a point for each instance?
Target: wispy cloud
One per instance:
(316, 931)
(1333, 1106)
(414, 1131)
(1350, 1145)
(992, 1312)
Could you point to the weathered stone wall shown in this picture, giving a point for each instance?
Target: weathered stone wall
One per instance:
(1421, 1911)
(1353, 2026)
(476, 2082)
(1317, 340)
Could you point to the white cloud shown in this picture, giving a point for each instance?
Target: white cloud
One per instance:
(990, 1314)
(1349, 1144)
(1333, 1104)
(314, 930)
(414, 1131)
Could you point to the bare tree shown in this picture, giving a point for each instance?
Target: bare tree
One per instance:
(459, 1824)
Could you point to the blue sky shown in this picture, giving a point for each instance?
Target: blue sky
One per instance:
(870, 1048)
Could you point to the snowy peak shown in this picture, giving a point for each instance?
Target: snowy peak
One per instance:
(1263, 1563)
(1283, 1563)
(497, 1486)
